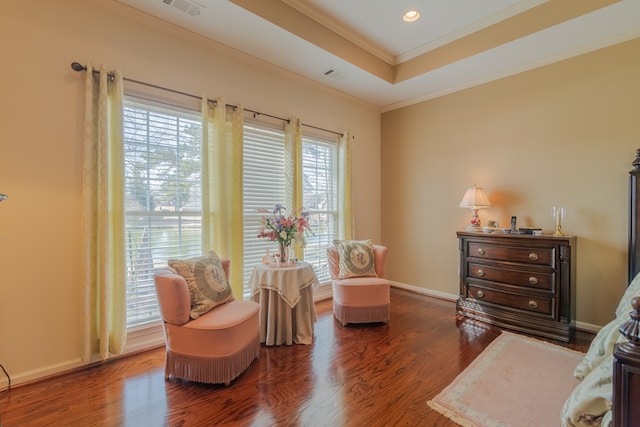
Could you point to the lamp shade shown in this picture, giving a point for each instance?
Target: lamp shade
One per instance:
(475, 198)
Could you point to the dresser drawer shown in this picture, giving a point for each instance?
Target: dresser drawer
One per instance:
(530, 279)
(527, 255)
(534, 304)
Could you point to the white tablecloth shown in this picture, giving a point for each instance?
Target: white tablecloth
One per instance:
(285, 295)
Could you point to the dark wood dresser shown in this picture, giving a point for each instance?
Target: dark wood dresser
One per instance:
(520, 282)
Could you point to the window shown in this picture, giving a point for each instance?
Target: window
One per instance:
(162, 151)
(319, 195)
(163, 212)
(263, 187)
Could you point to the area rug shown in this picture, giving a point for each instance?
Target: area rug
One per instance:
(515, 382)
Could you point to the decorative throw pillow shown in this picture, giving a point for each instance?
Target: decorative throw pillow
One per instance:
(355, 258)
(207, 282)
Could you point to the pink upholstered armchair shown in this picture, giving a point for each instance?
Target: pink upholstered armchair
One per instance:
(360, 299)
(214, 348)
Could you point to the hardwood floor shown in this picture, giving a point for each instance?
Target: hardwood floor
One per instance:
(363, 375)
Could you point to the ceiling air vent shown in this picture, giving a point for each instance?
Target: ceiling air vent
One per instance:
(185, 6)
(335, 74)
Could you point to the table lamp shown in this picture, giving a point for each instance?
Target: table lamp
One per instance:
(474, 199)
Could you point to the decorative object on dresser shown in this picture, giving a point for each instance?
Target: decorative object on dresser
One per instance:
(475, 199)
(521, 282)
(558, 217)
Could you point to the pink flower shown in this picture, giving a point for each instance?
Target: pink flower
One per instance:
(276, 225)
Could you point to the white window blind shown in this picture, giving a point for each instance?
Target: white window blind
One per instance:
(162, 150)
(263, 187)
(319, 194)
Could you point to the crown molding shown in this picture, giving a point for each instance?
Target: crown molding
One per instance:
(354, 38)
(540, 62)
(506, 13)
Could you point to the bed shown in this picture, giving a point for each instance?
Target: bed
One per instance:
(608, 391)
(626, 367)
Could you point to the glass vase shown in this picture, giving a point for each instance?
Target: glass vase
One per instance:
(284, 253)
(558, 216)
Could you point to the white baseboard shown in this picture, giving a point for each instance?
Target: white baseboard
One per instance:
(144, 338)
(425, 291)
(587, 327)
(323, 292)
(140, 340)
(38, 374)
(580, 326)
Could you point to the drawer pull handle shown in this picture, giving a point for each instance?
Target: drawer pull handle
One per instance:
(533, 280)
(480, 294)
(480, 272)
(480, 251)
(533, 256)
(533, 304)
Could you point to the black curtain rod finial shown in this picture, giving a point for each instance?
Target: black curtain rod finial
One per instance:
(78, 66)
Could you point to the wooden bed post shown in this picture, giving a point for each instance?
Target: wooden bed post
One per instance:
(634, 218)
(626, 357)
(626, 372)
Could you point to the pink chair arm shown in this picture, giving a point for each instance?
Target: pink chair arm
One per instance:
(173, 294)
(380, 257)
(226, 267)
(333, 257)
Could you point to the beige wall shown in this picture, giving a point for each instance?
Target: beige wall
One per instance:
(40, 160)
(564, 134)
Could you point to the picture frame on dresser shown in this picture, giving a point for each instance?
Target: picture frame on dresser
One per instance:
(493, 223)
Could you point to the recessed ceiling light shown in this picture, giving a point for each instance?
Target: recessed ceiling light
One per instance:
(411, 16)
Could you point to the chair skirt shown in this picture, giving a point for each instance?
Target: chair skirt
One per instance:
(216, 347)
(361, 300)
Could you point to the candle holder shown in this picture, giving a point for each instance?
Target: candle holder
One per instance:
(558, 216)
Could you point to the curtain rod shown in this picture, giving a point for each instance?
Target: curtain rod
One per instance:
(76, 66)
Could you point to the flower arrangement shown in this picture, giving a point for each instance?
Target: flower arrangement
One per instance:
(284, 228)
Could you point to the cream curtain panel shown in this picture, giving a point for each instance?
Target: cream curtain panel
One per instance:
(345, 220)
(222, 207)
(103, 266)
(293, 171)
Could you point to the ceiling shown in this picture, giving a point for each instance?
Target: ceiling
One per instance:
(363, 47)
